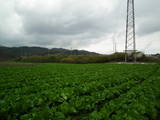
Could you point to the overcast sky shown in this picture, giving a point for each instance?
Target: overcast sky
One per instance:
(78, 24)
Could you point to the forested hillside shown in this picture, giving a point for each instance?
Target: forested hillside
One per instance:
(7, 53)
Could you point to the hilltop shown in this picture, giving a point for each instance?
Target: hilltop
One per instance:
(15, 52)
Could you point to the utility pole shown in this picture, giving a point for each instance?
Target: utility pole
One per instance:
(130, 44)
(115, 47)
(114, 44)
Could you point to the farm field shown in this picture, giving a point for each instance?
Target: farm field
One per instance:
(79, 91)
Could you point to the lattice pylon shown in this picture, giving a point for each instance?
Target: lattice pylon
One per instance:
(130, 44)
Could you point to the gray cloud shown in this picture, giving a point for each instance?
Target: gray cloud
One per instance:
(72, 23)
(149, 26)
(64, 23)
(147, 16)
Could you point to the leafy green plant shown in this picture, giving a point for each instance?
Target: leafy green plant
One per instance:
(80, 91)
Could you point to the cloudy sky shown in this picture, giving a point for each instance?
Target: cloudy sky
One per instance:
(78, 24)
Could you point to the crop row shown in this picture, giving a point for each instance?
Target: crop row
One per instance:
(72, 92)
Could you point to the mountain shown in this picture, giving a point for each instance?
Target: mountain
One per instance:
(15, 52)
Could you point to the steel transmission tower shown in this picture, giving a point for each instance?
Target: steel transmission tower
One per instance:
(130, 44)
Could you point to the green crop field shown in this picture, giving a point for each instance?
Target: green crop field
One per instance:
(79, 91)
